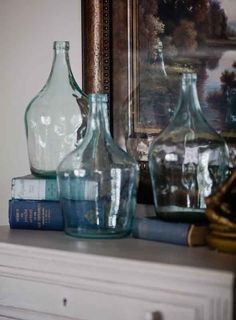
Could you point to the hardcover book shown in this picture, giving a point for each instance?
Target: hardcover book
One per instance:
(47, 215)
(35, 214)
(185, 234)
(34, 188)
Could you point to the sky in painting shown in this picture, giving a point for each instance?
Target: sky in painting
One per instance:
(230, 8)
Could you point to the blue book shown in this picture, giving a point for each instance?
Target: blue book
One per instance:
(155, 229)
(47, 215)
(35, 214)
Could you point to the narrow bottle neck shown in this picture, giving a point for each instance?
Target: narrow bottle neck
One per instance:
(61, 70)
(98, 123)
(189, 102)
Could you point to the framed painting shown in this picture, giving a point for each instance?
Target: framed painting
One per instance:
(121, 40)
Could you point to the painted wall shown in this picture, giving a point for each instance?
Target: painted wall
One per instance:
(27, 31)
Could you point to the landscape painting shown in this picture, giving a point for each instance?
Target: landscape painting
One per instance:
(196, 35)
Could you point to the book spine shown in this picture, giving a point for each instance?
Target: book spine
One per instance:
(33, 214)
(157, 230)
(34, 189)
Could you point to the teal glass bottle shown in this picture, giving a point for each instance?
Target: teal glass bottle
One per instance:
(188, 160)
(98, 181)
(55, 120)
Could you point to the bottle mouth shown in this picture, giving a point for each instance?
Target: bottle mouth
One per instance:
(98, 97)
(189, 76)
(61, 45)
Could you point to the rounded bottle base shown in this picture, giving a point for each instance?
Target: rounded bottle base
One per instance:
(185, 216)
(43, 174)
(96, 234)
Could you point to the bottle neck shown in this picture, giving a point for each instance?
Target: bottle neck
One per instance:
(61, 70)
(188, 103)
(98, 123)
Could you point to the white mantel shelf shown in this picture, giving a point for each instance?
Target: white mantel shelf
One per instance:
(48, 275)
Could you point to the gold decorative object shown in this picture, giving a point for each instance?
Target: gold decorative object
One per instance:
(221, 212)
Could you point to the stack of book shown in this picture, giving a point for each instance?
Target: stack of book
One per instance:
(35, 204)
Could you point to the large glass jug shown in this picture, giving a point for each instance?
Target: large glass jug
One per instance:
(55, 119)
(98, 181)
(188, 160)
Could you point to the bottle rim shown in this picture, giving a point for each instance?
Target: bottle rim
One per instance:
(98, 97)
(189, 76)
(61, 45)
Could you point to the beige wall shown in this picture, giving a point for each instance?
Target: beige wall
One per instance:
(27, 31)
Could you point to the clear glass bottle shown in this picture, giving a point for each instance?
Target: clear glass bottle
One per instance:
(152, 97)
(98, 181)
(56, 118)
(187, 161)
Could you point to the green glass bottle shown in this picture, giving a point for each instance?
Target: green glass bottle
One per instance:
(98, 181)
(55, 120)
(188, 160)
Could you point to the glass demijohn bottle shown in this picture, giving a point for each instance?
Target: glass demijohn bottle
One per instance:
(98, 181)
(56, 118)
(187, 161)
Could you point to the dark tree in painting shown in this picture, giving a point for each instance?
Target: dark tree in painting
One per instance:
(152, 28)
(184, 36)
(217, 20)
(201, 20)
(172, 12)
(208, 17)
(228, 80)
